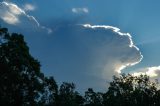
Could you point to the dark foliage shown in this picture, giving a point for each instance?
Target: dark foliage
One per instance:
(20, 76)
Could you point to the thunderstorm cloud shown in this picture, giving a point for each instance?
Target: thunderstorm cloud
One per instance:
(113, 50)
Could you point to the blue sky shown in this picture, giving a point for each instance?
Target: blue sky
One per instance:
(69, 40)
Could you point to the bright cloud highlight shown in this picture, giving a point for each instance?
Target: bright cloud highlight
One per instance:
(153, 72)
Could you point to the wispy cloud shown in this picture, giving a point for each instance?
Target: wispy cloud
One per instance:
(29, 7)
(14, 15)
(80, 10)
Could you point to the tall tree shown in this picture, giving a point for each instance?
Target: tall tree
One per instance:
(21, 80)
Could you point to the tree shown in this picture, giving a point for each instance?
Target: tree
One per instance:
(21, 80)
(128, 90)
(68, 96)
(93, 99)
(50, 92)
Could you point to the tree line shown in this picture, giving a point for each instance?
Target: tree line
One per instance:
(23, 84)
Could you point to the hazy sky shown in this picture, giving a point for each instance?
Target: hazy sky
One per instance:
(88, 41)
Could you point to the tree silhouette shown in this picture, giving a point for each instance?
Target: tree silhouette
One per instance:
(68, 96)
(93, 99)
(20, 78)
(50, 92)
(128, 90)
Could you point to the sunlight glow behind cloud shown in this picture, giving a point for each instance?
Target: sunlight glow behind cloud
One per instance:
(119, 66)
(117, 50)
(153, 72)
(10, 18)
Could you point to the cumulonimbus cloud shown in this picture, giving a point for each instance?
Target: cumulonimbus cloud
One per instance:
(119, 49)
(99, 51)
(109, 51)
(14, 15)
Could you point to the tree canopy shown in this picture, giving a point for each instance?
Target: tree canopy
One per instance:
(20, 76)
